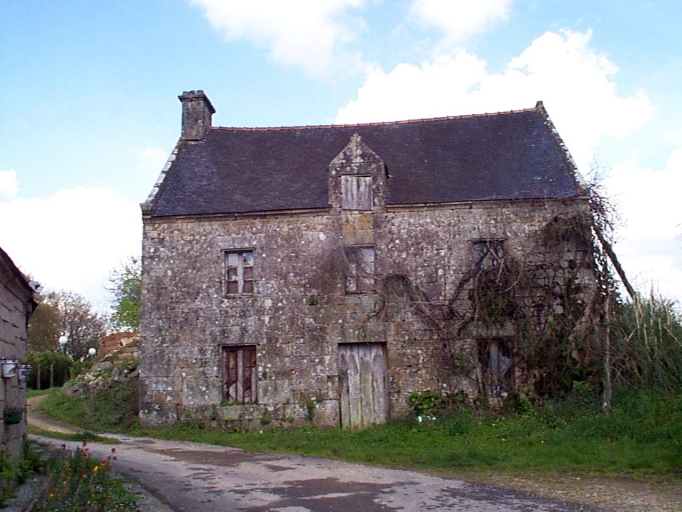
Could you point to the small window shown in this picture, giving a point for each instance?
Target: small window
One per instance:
(239, 272)
(360, 276)
(241, 375)
(496, 363)
(356, 192)
(488, 253)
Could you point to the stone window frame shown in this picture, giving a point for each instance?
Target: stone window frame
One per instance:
(360, 276)
(238, 271)
(240, 374)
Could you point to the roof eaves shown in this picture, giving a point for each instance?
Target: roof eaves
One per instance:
(19, 276)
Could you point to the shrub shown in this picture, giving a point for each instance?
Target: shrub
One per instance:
(425, 402)
(47, 364)
(647, 352)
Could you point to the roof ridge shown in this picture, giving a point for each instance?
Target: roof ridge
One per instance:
(379, 123)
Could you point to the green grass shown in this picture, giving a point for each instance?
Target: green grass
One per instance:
(643, 434)
(37, 392)
(80, 437)
(112, 409)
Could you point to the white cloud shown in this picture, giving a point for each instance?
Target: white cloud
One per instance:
(577, 86)
(306, 33)
(561, 69)
(72, 239)
(8, 183)
(647, 200)
(460, 19)
(151, 160)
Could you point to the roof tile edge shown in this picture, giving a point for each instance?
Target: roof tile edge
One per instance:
(381, 123)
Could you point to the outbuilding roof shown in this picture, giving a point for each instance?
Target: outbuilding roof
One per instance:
(508, 155)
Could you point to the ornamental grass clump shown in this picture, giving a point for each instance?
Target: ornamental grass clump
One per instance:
(77, 482)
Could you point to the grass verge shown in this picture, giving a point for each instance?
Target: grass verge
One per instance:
(80, 437)
(641, 435)
(112, 409)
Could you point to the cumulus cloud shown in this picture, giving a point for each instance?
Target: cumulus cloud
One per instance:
(575, 83)
(151, 160)
(460, 19)
(8, 183)
(305, 33)
(71, 240)
(648, 243)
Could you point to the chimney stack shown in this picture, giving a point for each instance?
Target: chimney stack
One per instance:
(196, 114)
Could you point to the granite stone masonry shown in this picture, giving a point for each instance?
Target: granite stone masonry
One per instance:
(323, 275)
(17, 303)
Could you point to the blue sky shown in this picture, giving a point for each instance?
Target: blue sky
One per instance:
(89, 109)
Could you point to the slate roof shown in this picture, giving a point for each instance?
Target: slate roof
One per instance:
(510, 155)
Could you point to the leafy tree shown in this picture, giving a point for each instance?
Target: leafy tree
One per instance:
(125, 287)
(52, 368)
(44, 328)
(68, 314)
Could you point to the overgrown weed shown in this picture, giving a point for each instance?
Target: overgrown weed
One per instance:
(77, 482)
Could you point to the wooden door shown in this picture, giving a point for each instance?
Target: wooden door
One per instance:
(362, 372)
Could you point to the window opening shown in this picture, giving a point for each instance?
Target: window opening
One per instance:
(241, 374)
(356, 193)
(239, 270)
(496, 362)
(360, 277)
(488, 253)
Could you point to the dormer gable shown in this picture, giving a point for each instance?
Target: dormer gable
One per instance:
(357, 178)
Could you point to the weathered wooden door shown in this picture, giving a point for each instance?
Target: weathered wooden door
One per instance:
(362, 372)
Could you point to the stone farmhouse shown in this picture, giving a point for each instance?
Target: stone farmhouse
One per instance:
(326, 274)
(17, 303)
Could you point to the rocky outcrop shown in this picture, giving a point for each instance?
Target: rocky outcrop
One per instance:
(114, 368)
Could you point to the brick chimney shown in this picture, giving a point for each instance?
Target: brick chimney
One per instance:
(196, 114)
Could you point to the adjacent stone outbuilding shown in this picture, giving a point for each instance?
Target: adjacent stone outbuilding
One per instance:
(17, 303)
(325, 273)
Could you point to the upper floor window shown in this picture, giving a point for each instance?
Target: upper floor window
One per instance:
(360, 276)
(356, 193)
(488, 253)
(239, 272)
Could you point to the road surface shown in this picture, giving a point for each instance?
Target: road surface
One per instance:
(195, 477)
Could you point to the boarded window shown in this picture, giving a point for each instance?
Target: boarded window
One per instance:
(356, 192)
(241, 374)
(488, 253)
(239, 272)
(495, 358)
(360, 275)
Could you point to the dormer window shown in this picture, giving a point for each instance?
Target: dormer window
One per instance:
(357, 179)
(356, 193)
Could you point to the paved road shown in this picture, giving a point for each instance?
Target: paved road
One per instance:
(191, 477)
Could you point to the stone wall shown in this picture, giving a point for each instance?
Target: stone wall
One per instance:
(300, 312)
(16, 305)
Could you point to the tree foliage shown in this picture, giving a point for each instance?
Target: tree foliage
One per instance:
(48, 368)
(125, 287)
(65, 314)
